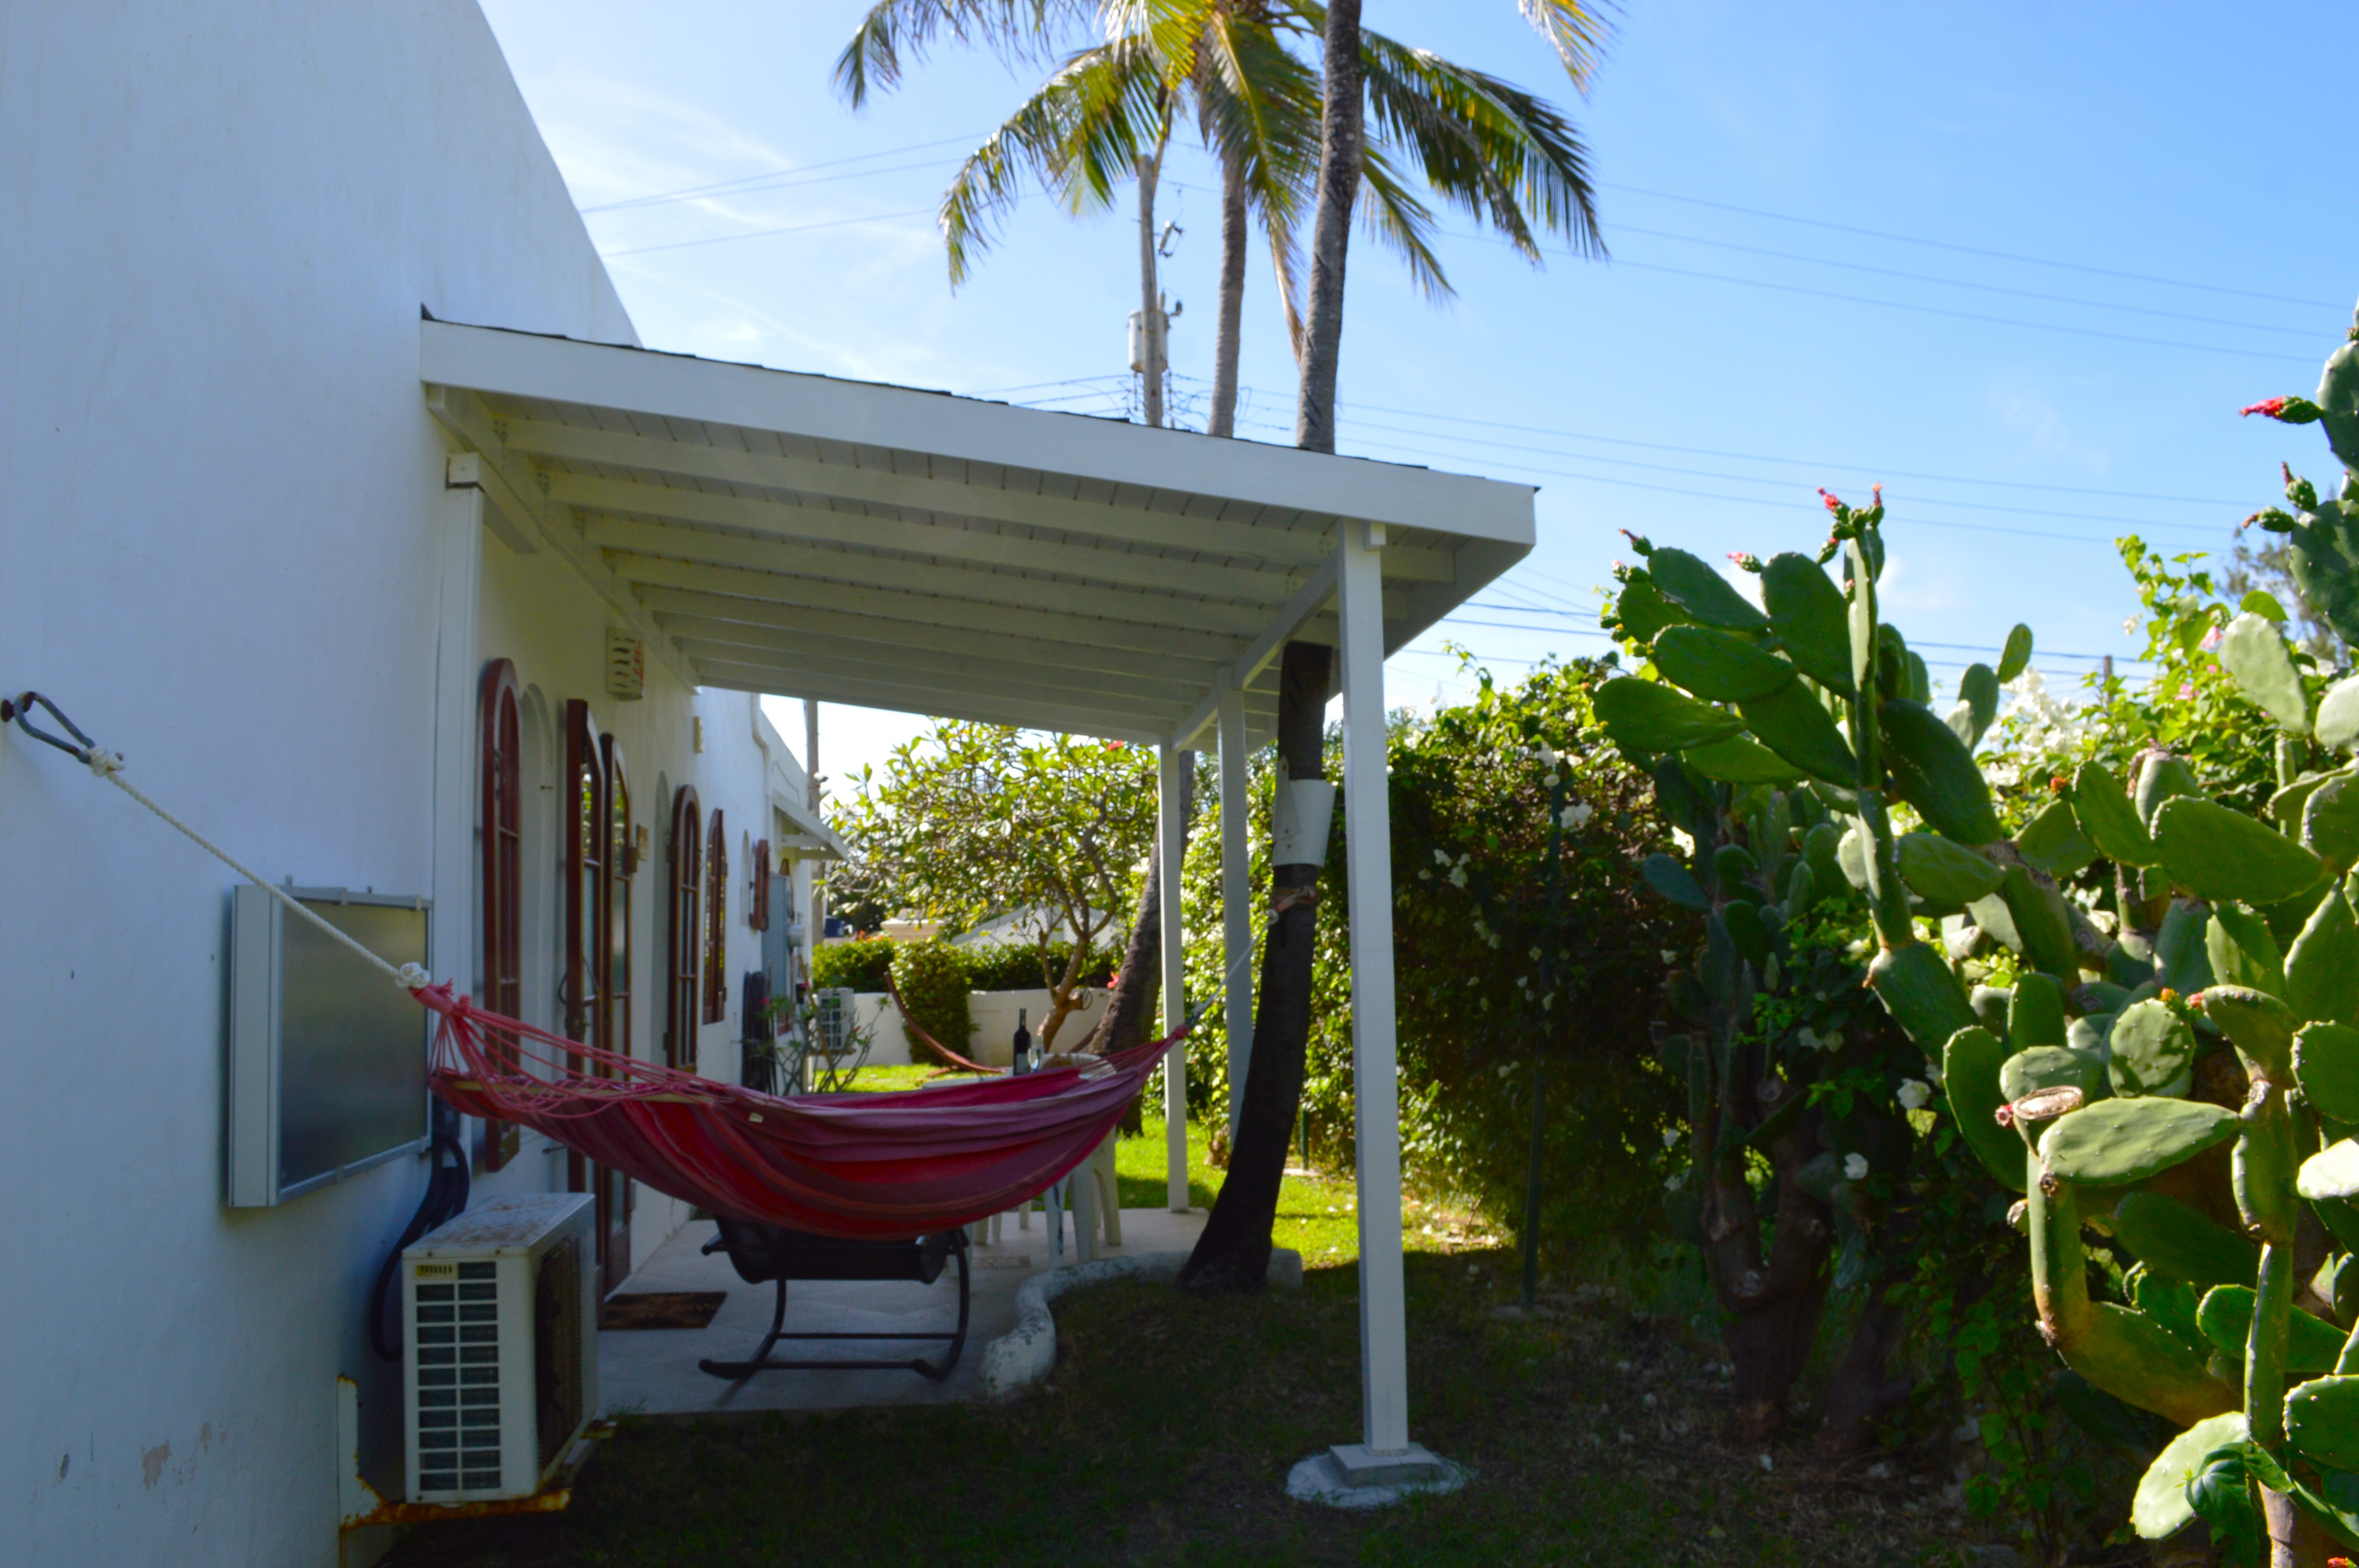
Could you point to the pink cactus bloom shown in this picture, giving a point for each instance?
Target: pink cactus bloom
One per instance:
(2271, 407)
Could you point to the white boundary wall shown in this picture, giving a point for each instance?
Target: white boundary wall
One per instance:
(220, 497)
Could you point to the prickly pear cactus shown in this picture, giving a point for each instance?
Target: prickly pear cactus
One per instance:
(2175, 1069)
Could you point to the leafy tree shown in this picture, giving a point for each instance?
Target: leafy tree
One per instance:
(974, 820)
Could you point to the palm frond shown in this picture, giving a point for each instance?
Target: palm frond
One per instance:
(1577, 29)
(1079, 135)
(1400, 223)
(895, 29)
(1506, 156)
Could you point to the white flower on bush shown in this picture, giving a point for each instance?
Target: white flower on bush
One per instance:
(1806, 1038)
(1854, 1167)
(1442, 857)
(1577, 814)
(1684, 839)
(1671, 1137)
(1914, 1094)
(1458, 876)
(1677, 1180)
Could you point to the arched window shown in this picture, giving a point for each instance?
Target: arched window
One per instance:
(621, 861)
(757, 907)
(716, 922)
(499, 752)
(683, 963)
(584, 801)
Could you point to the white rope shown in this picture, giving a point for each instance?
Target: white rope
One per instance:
(108, 766)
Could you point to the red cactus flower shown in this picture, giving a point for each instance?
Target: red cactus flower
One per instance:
(2060, 783)
(1834, 502)
(2271, 407)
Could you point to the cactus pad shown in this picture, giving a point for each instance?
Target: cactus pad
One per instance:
(1969, 1068)
(1807, 615)
(2117, 1143)
(1717, 666)
(1943, 872)
(2321, 1420)
(1934, 771)
(2052, 841)
(1689, 582)
(2109, 819)
(2255, 1022)
(1792, 722)
(2034, 1012)
(2217, 853)
(1921, 992)
(1649, 718)
(2322, 966)
(2241, 950)
(1739, 760)
(2052, 1066)
(2172, 1239)
(2326, 1065)
(2161, 1509)
(2332, 1173)
(2152, 1052)
(2330, 821)
(2015, 656)
(2255, 655)
(2338, 714)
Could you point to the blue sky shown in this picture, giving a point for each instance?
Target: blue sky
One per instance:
(2019, 261)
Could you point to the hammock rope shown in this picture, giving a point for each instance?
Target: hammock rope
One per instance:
(874, 1166)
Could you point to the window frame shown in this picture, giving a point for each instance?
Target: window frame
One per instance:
(500, 837)
(716, 919)
(684, 944)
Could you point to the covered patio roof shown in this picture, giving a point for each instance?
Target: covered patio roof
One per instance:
(856, 543)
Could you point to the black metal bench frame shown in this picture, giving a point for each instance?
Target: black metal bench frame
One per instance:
(765, 1254)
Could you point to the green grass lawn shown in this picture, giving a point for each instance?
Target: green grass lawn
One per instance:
(1167, 1432)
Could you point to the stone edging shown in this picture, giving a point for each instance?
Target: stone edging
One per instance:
(1027, 1353)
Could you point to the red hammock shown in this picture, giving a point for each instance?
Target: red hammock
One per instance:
(881, 1167)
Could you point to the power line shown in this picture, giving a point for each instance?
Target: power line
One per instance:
(1734, 478)
(766, 234)
(1954, 315)
(1821, 464)
(1790, 462)
(1964, 283)
(1953, 647)
(743, 183)
(1964, 250)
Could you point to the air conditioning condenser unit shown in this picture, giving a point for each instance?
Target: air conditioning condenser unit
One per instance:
(499, 1315)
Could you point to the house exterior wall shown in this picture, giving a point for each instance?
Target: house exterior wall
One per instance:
(221, 504)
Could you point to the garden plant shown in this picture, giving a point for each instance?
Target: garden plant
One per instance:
(2169, 1074)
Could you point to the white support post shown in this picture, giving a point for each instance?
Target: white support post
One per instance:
(1376, 1096)
(459, 561)
(1172, 839)
(1236, 890)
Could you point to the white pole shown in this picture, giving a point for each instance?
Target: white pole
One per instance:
(1376, 1098)
(1236, 890)
(1172, 839)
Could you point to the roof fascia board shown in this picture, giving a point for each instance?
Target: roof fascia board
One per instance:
(559, 370)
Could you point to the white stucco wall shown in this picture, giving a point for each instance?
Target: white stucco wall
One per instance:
(219, 490)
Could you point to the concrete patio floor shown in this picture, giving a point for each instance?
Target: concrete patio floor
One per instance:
(654, 1371)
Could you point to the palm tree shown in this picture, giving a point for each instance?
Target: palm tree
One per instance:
(1575, 28)
(1107, 113)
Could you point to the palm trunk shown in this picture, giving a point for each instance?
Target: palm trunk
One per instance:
(1340, 150)
(1150, 312)
(1236, 235)
(1232, 1253)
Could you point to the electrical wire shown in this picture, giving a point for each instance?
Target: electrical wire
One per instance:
(748, 182)
(766, 234)
(1963, 249)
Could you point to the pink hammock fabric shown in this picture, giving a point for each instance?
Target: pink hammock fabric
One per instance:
(877, 1167)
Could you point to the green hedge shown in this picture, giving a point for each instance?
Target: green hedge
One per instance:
(932, 980)
(1002, 967)
(861, 965)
